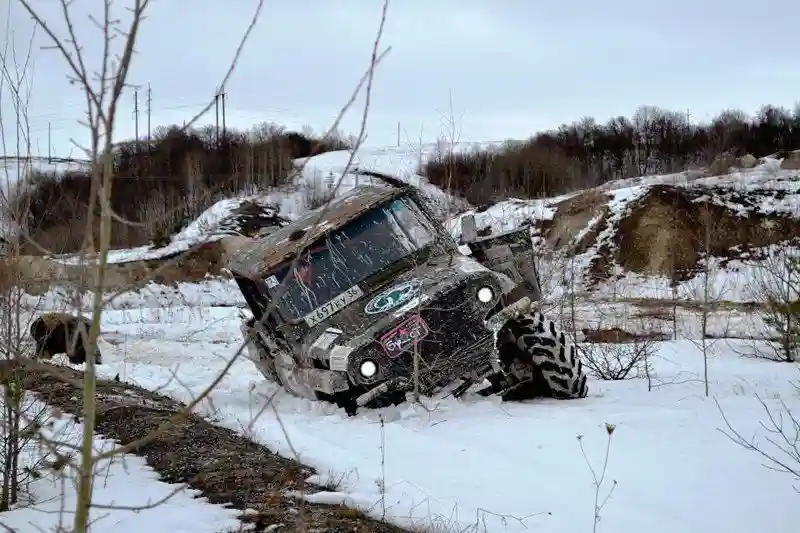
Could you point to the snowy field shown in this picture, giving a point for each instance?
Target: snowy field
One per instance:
(450, 465)
(512, 467)
(125, 482)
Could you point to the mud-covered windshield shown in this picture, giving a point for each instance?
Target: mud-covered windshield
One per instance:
(350, 255)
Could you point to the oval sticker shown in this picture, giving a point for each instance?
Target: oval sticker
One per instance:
(393, 297)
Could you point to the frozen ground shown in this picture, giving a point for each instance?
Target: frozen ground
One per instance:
(511, 467)
(124, 482)
(514, 467)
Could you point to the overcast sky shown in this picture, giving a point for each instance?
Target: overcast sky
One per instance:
(510, 67)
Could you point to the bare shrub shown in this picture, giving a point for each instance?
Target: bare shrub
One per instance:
(20, 418)
(618, 361)
(781, 446)
(611, 353)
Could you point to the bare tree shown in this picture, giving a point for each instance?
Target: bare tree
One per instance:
(776, 286)
(19, 417)
(708, 289)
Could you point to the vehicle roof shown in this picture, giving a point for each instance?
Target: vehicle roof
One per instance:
(256, 259)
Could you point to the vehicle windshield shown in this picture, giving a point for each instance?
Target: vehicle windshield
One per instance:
(350, 255)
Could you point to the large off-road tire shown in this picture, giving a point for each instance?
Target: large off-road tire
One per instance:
(539, 360)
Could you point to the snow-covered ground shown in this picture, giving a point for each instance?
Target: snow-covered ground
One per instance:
(512, 467)
(506, 467)
(123, 484)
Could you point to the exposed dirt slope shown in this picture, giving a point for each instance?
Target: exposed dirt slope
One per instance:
(670, 228)
(665, 229)
(38, 273)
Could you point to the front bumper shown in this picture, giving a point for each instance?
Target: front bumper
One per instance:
(520, 307)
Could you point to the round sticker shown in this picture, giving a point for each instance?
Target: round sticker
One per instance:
(393, 297)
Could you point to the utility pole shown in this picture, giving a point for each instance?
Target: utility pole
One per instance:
(149, 109)
(49, 143)
(136, 114)
(216, 112)
(224, 129)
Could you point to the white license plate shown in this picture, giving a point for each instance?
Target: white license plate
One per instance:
(329, 309)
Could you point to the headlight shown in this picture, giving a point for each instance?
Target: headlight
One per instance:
(368, 368)
(485, 295)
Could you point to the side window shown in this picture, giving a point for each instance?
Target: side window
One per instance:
(413, 222)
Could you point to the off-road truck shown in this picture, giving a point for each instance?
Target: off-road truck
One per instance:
(369, 298)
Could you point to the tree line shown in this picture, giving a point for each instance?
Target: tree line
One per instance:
(587, 153)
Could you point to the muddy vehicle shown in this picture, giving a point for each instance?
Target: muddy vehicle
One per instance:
(380, 303)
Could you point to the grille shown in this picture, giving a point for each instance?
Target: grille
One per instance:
(457, 342)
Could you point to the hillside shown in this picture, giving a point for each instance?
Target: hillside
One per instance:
(632, 237)
(249, 215)
(643, 234)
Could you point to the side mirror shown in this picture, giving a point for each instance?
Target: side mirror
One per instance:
(469, 230)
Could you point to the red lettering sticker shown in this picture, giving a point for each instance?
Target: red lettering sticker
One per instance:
(403, 336)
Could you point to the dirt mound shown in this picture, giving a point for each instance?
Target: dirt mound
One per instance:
(792, 161)
(667, 230)
(36, 274)
(225, 467)
(617, 335)
(572, 218)
(723, 163)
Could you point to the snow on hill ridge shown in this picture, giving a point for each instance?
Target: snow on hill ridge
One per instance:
(766, 179)
(624, 231)
(318, 180)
